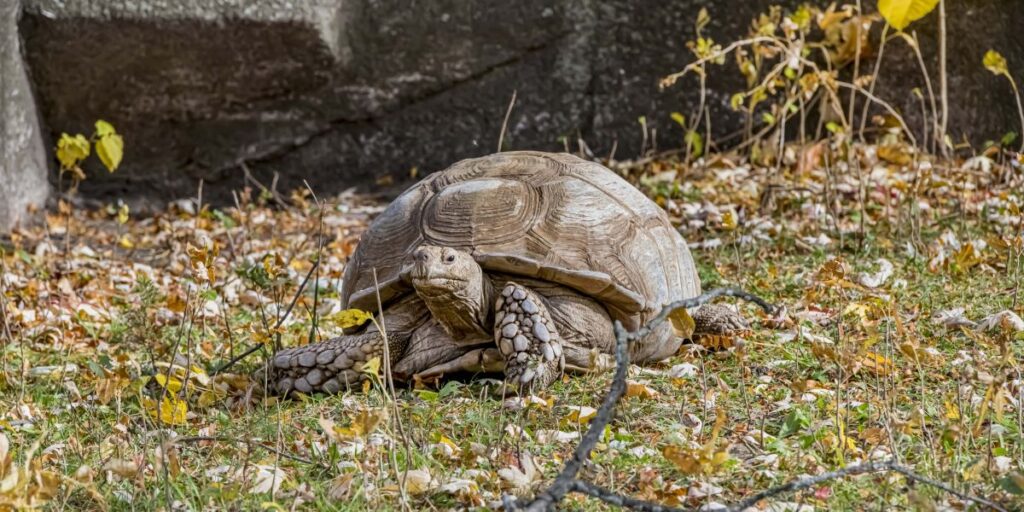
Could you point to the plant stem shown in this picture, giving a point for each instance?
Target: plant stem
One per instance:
(874, 79)
(1020, 109)
(943, 90)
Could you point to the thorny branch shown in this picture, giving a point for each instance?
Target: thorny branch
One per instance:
(567, 482)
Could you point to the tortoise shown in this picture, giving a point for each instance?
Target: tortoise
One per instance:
(517, 261)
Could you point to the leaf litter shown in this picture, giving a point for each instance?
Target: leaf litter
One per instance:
(912, 346)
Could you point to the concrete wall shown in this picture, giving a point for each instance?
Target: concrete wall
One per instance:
(346, 92)
(23, 161)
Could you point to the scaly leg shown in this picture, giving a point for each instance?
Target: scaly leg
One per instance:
(719, 321)
(337, 363)
(527, 338)
(326, 367)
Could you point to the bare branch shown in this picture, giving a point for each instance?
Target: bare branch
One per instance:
(563, 483)
(612, 498)
(280, 321)
(567, 482)
(247, 442)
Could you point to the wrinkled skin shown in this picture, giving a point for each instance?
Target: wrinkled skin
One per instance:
(463, 319)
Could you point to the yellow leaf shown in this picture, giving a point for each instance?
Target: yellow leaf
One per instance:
(333, 432)
(682, 323)
(444, 440)
(175, 303)
(716, 342)
(122, 214)
(126, 242)
(367, 420)
(900, 13)
(877, 363)
(110, 149)
(210, 397)
(71, 150)
(352, 318)
(996, 63)
(104, 128)
(173, 386)
(831, 273)
(719, 458)
(952, 412)
(171, 411)
(581, 414)
(640, 390)
(895, 154)
(729, 221)
(687, 461)
(372, 367)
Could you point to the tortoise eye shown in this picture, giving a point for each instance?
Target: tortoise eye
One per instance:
(450, 258)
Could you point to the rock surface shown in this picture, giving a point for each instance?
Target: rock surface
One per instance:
(360, 92)
(23, 163)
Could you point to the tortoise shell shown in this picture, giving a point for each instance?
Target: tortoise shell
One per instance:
(553, 217)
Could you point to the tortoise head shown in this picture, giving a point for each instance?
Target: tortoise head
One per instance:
(454, 288)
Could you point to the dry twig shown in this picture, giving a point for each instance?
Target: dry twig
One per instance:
(567, 482)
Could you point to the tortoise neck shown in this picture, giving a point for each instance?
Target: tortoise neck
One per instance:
(466, 312)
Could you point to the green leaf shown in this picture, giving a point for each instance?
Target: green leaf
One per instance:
(224, 219)
(110, 149)
(451, 388)
(678, 118)
(71, 150)
(900, 13)
(1013, 483)
(426, 395)
(1009, 138)
(996, 63)
(795, 422)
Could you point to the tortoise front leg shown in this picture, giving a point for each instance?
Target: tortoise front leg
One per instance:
(527, 338)
(326, 367)
(337, 364)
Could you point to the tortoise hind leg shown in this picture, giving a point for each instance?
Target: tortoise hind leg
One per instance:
(527, 338)
(718, 319)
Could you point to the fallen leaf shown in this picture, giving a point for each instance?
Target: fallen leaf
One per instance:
(640, 390)
(267, 479)
(580, 414)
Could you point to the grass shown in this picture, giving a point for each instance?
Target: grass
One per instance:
(785, 403)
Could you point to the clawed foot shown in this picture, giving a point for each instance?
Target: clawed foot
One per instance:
(714, 323)
(527, 338)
